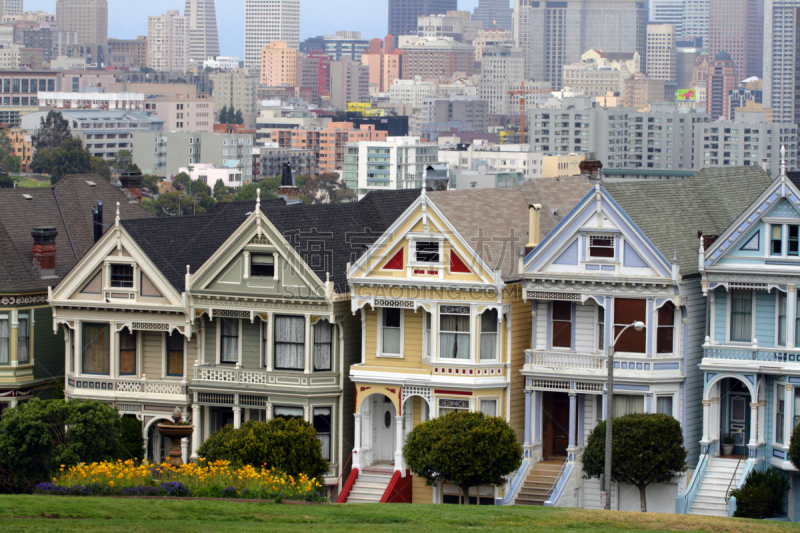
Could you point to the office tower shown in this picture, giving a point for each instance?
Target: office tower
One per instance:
(559, 32)
(695, 21)
(780, 58)
(278, 65)
(266, 21)
(203, 38)
(662, 61)
(437, 58)
(502, 69)
(385, 64)
(403, 13)
(11, 7)
(494, 13)
(668, 12)
(168, 42)
(720, 82)
(349, 83)
(88, 18)
(736, 27)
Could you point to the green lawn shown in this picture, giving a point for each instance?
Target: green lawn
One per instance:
(57, 513)
(24, 181)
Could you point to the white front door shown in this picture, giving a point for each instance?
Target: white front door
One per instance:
(383, 432)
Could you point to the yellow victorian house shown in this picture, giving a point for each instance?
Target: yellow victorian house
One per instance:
(444, 326)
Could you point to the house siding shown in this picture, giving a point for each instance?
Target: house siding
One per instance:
(692, 400)
(520, 341)
(765, 319)
(152, 354)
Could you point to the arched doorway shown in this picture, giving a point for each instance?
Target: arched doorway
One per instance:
(729, 399)
(384, 429)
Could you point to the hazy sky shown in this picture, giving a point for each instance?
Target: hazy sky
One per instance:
(128, 18)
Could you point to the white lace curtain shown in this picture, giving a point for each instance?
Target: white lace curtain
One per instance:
(22, 340)
(627, 405)
(489, 334)
(230, 340)
(290, 332)
(323, 345)
(454, 336)
(3, 341)
(741, 316)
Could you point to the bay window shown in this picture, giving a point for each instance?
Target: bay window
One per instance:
(665, 333)
(23, 339)
(781, 304)
(290, 348)
(450, 406)
(601, 328)
(175, 354)
(664, 405)
(489, 334)
(322, 424)
(323, 345)
(391, 331)
(562, 324)
(127, 353)
(287, 412)
(95, 353)
(627, 404)
(427, 346)
(454, 332)
(229, 341)
(741, 315)
(489, 407)
(626, 312)
(4, 336)
(780, 410)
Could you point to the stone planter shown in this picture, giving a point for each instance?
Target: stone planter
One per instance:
(175, 432)
(727, 449)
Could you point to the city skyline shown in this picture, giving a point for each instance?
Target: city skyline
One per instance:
(128, 18)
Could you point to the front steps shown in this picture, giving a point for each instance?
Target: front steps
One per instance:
(540, 480)
(710, 499)
(370, 485)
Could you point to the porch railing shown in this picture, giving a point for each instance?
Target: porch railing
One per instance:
(564, 361)
(127, 385)
(231, 375)
(752, 354)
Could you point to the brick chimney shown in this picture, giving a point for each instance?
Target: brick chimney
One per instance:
(132, 185)
(591, 169)
(44, 250)
(288, 190)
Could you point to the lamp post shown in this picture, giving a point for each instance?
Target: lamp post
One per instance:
(638, 326)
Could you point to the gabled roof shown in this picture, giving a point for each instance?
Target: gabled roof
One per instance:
(67, 206)
(670, 213)
(341, 231)
(495, 222)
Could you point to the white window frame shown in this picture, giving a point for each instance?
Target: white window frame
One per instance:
(495, 399)
(775, 442)
(785, 296)
(219, 340)
(332, 407)
(613, 247)
(472, 326)
(427, 336)
(598, 309)
(671, 397)
(675, 329)
(439, 407)
(379, 347)
(572, 320)
(728, 326)
(7, 339)
(28, 318)
(498, 342)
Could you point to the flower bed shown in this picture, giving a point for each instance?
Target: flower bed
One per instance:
(206, 480)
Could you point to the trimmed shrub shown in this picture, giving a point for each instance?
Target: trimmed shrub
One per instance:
(131, 443)
(762, 495)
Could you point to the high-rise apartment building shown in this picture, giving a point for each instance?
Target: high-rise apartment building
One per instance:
(266, 21)
(349, 83)
(736, 27)
(11, 7)
(203, 37)
(502, 69)
(89, 18)
(558, 33)
(128, 52)
(695, 21)
(668, 12)
(385, 64)
(662, 60)
(168, 42)
(720, 82)
(781, 53)
(278, 65)
(403, 14)
(494, 13)
(436, 58)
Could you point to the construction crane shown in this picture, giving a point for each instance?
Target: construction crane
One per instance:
(521, 92)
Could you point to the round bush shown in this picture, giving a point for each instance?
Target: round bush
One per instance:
(288, 445)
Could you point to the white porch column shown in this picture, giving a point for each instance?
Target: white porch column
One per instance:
(78, 348)
(270, 344)
(753, 444)
(247, 414)
(357, 441)
(196, 437)
(237, 417)
(573, 421)
(113, 366)
(528, 416)
(146, 447)
(715, 417)
(791, 313)
(398, 452)
(706, 419)
(185, 449)
(307, 366)
(788, 417)
(206, 422)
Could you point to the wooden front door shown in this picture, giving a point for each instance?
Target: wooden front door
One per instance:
(555, 422)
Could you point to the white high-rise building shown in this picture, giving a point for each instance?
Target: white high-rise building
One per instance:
(11, 7)
(266, 21)
(695, 20)
(168, 42)
(662, 57)
(668, 12)
(203, 37)
(780, 59)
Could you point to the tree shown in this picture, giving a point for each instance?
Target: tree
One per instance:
(150, 182)
(327, 188)
(53, 131)
(42, 161)
(11, 163)
(645, 449)
(182, 181)
(268, 187)
(289, 445)
(223, 115)
(238, 118)
(6, 182)
(39, 436)
(465, 449)
(131, 444)
(5, 146)
(100, 167)
(122, 161)
(763, 494)
(70, 158)
(794, 447)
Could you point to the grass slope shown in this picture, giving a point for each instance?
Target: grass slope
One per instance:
(53, 513)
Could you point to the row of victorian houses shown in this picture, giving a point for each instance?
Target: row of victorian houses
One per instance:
(367, 318)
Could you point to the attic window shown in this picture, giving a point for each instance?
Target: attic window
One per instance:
(27, 196)
(122, 276)
(91, 184)
(262, 265)
(601, 246)
(427, 252)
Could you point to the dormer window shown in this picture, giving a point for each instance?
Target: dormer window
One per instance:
(262, 265)
(122, 276)
(427, 252)
(601, 246)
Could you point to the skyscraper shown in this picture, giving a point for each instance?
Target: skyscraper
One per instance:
(89, 18)
(168, 42)
(403, 13)
(11, 7)
(266, 21)
(203, 38)
(668, 12)
(695, 20)
(781, 52)
(736, 27)
(494, 13)
(662, 60)
(721, 81)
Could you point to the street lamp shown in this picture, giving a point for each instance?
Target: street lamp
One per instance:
(638, 326)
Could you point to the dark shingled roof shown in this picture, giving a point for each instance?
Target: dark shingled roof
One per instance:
(671, 212)
(67, 206)
(327, 236)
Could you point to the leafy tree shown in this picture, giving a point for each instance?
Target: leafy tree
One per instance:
(182, 181)
(223, 115)
(465, 449)
(133, 167)
(238, 118)
(6, 182)
(645, 449)
(794, 447)
(42, 161)
(131, 442)
(763, 494)
(326, 188)
(11, 163)
(70, 158)
(100, 167)
(52, 132)
(150, 182)
(289, 445)
(5, 145)
(40, 435)
(122, 160)
(269, 189)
